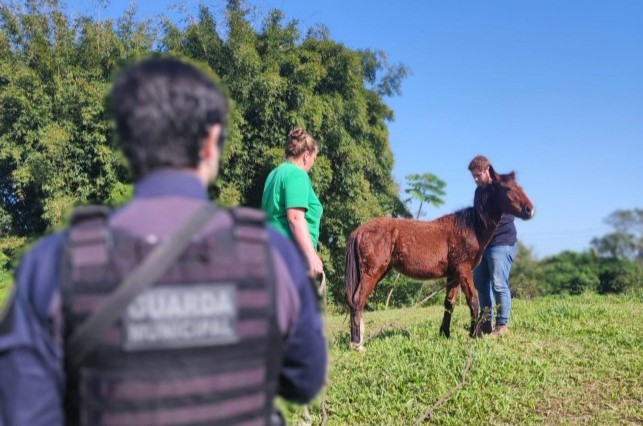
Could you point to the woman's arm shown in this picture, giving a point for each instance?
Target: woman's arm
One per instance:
(299, 227)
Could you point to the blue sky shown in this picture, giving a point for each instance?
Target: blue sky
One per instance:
(551, 89)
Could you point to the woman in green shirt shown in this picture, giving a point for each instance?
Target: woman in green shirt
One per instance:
(290, 202)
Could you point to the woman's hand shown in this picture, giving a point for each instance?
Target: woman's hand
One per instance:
(316, 265)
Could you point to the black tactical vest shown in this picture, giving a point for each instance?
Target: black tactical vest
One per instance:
(200, 347)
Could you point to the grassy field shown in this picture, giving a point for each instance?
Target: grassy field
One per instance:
(567, 361)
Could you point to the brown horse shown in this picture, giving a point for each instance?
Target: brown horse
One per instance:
(450, 246)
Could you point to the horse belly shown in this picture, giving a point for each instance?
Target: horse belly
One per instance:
(421, 271)
(417, 260)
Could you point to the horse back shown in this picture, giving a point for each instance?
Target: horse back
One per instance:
(418, 249)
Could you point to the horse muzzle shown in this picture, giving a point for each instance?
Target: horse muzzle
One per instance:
(528, 212)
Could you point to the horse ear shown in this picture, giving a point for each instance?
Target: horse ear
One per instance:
(512, 175)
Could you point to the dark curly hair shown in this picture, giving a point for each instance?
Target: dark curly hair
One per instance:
(163, 109)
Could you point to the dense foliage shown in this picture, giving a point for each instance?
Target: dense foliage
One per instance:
(56, 146)
(57, 151)
(574, 273)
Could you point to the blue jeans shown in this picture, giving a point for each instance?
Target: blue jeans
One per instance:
(491, 278)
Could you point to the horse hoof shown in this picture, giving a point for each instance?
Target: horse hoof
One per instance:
(357, 347)
(445, 333)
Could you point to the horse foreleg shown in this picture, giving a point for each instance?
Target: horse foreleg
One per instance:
(449, 303)
(469, 290)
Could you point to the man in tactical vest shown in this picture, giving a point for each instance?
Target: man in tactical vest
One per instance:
(168, 311)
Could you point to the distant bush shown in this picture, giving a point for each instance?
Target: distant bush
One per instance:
(619, 276)
(525, 280)
(582, 281)
(570, 273)
(524, 286)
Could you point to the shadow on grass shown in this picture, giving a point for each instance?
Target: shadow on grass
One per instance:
(384, 332)
(388, 331)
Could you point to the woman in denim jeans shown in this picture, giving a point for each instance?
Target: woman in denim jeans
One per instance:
(491, 276)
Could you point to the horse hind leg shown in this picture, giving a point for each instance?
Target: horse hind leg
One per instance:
(357, 330)
(364, 289)
(449, 303)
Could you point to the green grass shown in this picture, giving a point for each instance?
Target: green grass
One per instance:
(567, 361)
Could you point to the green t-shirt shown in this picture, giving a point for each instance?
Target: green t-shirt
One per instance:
(288, 186)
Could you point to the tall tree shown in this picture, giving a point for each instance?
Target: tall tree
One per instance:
(279, 79)
(626, 242)
(425, 188)
(55, 135)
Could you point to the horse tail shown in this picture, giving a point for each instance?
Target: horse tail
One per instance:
(351, 279)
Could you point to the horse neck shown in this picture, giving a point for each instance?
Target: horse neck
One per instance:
(488, 216)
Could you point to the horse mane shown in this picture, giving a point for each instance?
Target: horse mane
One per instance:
(473, 218)
(466, 219)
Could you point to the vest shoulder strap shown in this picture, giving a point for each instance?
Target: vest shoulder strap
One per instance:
(88, 235)
(249, 224)
(89, 213)
(248, 216)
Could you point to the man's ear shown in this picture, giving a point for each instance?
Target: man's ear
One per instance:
(210, 146)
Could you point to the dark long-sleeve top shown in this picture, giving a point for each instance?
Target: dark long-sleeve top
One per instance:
(505, 234)
(31, 351)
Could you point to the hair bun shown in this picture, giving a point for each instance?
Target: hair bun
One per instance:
(298, 142)
(297, 134)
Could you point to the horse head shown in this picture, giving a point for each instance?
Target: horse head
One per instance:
(509, 196)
